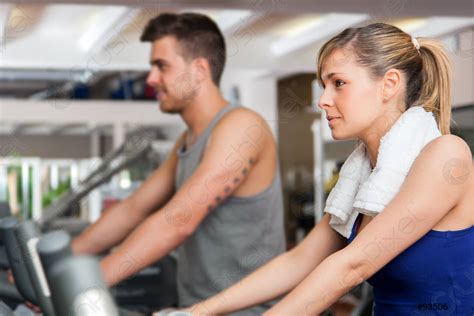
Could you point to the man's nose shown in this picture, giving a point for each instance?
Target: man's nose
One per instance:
(153, 78)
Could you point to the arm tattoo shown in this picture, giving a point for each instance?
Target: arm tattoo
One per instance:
(227, 188)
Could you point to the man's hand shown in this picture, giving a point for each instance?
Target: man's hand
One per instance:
(11, 279)
(33, 307)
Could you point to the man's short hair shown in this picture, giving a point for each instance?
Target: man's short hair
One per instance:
(196, 34)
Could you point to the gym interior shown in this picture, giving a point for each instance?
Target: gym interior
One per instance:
(81, 129)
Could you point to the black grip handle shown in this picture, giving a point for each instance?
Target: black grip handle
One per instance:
(27, 235)
(4, 264)
(17, 263)
(8, 290)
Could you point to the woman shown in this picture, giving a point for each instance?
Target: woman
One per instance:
(418, 253)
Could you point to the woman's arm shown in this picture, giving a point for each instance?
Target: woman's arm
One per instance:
(278, 276)
(437, 181)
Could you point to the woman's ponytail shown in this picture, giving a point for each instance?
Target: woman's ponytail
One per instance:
(435, 88)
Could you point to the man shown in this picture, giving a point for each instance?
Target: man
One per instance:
(218, 195)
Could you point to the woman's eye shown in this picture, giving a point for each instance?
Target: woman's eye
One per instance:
(339, 83)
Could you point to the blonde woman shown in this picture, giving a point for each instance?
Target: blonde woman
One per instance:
(418, 252)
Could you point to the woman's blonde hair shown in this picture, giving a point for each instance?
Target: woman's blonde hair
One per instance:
(380, 47)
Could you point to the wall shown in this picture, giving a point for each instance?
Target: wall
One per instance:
(256, 91)
(463, 70)
(45, 146)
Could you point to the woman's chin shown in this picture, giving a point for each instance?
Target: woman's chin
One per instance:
(339, 136)
(336, 136)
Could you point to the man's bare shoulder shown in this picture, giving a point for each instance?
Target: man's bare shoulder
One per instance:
(244, 121)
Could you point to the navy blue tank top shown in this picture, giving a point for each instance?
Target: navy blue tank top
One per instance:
(434, 276)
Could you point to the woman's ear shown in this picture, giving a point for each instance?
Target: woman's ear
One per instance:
(391, 84)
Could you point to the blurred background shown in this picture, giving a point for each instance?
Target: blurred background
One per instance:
(72, 87)
(73, 97)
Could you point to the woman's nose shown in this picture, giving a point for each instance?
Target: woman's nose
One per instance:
(325, 100)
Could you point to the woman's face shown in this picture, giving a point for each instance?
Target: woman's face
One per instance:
(351, 99)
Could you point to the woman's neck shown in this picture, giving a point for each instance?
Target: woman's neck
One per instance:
(371, 138)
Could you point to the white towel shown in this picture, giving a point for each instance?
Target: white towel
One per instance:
(363, 190)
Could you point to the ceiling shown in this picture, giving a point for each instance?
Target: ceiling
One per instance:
(104, 34)
(59, 44)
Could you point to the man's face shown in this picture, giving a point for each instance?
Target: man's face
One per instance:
(171, 75)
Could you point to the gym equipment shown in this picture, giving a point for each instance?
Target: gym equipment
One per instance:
(8, 291)
(3, 257)
(4, 209)
(27, 235)
(79, 288)
(171, 312)
(134, 147)
(5, 310)
(17, 264)
(20, 242)
(76, 283)
(150, 289)
(75, 286)
(54, 247)
(153, 288)
(4, 212)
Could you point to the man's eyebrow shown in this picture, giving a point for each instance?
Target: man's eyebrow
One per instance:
(157, 62)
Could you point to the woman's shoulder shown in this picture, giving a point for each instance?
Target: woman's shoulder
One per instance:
(449, 146)
(451, 155)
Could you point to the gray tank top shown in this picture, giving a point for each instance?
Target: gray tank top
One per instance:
(233, 240)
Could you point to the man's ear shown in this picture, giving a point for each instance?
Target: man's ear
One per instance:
(391, 84)
(202, 70)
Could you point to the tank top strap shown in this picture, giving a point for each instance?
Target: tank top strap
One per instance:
(201, 142)
(218, 117)
(207, 133)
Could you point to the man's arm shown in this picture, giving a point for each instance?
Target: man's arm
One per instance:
(121, 219)
(223, 168)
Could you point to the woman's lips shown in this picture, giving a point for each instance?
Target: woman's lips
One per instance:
(331, 121)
